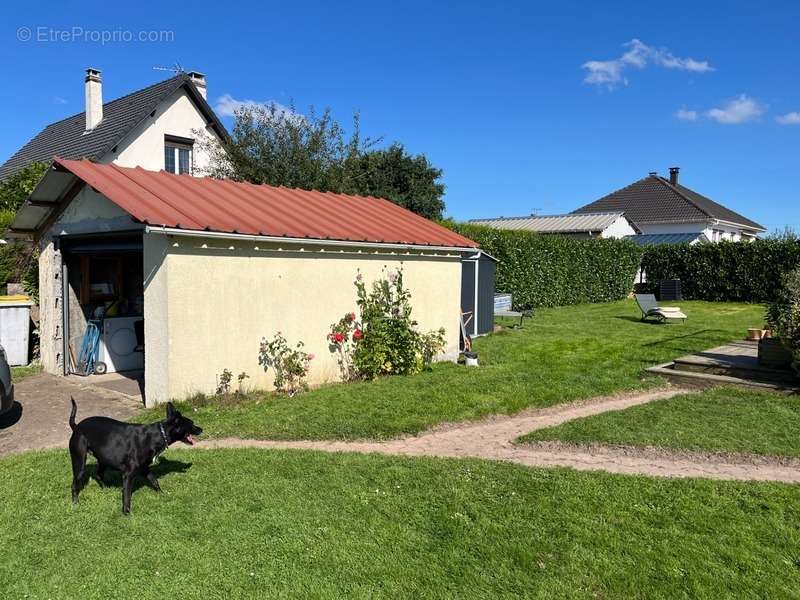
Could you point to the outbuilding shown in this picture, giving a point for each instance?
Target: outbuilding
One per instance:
(477, 292)
(193, 272)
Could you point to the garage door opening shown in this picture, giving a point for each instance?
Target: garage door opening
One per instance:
(104, 301)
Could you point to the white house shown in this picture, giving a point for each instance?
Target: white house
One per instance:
(663, 207)
(586, 225)
(154, 128)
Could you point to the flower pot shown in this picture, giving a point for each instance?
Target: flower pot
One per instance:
(471, 359)
(754, 334)
(771, 353)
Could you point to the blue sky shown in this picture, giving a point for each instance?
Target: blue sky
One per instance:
(524, 105)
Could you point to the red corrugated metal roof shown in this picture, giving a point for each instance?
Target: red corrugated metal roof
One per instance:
(206, 204)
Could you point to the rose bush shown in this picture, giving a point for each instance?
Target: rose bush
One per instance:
(385, 341)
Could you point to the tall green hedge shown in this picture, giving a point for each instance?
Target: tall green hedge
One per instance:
(553, 270)
(727, 271)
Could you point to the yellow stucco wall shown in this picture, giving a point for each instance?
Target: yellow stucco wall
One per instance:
(207, 308)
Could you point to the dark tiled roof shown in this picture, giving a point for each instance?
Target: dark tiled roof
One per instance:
(68, 138)
(657, 239)
(654, 200)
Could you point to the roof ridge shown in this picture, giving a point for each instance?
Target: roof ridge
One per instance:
(682, 195)
(152, 85)
(557, 216)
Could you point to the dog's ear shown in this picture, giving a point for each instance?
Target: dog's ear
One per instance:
(170, 410)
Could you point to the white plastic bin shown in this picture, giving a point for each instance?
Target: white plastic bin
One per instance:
(15, 319)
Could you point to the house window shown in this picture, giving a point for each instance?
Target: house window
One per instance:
(178, 155)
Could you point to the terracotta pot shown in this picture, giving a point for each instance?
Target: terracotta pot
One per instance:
(754, 334)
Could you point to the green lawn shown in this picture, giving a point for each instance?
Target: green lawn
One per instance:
(564, 354)
(717, 420)
(18, 373)
(254, 523)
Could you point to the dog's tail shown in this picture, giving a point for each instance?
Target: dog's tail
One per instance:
(72, 413)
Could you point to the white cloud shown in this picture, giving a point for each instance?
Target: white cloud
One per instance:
(738, 110)
(603, 72)
(685, 114)
(227, 106)
(638, 55)
(792, 118)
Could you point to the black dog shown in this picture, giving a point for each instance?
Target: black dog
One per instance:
(128, 448)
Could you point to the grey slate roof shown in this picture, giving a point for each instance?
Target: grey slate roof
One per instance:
(654, 200)
(657, 239)
(67, 138)
(583, 223)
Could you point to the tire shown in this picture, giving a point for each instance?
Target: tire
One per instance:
(100, 368)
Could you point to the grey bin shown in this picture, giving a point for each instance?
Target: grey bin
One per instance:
(15, 318)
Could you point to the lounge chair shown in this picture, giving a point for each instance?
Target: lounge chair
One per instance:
(650, 308)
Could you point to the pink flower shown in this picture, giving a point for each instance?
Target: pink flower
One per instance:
(310, 356)
(357, 335)
(338, 337)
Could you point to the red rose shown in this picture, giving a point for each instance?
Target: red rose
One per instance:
(351, 317)
(338, 337)
(357, 334)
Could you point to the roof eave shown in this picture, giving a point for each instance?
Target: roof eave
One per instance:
(177, 231)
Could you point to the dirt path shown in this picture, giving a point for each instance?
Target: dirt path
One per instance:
(493, 439)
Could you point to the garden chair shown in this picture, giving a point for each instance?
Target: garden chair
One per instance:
(650, 308)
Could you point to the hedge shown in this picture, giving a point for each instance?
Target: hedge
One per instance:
(553, 270)
(727, 271)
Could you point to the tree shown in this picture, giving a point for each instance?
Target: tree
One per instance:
(15, 189)
(278, 146)
(410, 181)
(19, 261)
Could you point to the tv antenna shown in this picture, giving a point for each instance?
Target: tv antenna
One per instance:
(176, 68)
(535, 212)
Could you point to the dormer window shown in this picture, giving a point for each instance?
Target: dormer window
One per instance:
(178, 154)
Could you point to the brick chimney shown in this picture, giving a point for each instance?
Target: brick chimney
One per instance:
(199, 81)
(94, 98)
(673, 175)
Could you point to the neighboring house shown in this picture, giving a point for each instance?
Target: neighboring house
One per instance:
(658, 239)
(198, 270)
(154, 128)
(590, 225)
(657, 205)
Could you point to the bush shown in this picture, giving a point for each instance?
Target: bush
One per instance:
(19, 264)
(386, 340)
(291, 364)
(726, 271)
(554, 270)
